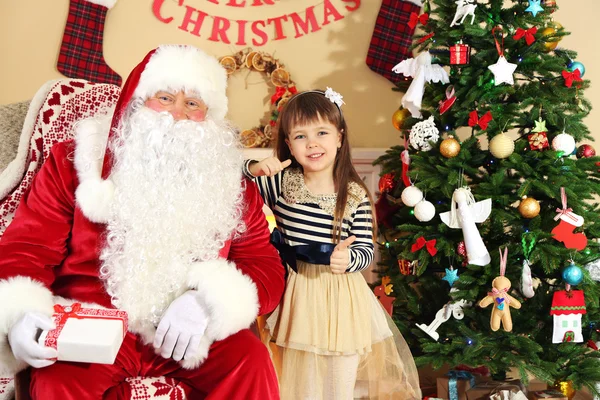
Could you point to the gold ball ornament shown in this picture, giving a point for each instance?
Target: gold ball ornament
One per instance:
(449, 147)
(566, 388)
(399, 117)
(502, 146)
(551, 30)
(529, 207)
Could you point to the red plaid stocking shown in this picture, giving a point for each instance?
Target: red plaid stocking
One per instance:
(392, 37)
(81, 49)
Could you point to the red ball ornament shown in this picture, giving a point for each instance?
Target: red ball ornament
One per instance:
(461, 249)
(386, 182)
(585, 151)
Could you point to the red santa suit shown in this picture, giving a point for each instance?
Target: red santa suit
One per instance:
(52, 249)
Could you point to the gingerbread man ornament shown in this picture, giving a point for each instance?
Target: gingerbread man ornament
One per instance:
(501, 299)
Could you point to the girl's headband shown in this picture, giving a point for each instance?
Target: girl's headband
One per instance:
(331, 95)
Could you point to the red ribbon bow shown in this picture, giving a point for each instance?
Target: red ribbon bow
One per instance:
(527, 33)
(482, 122)
(564, 211)
(445, 105)
(66, 312)
(429, 244)
(571, 76)
(415, 19)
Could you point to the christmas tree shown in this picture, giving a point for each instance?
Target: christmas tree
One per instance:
(492, 72)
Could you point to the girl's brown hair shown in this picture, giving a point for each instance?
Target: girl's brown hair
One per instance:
(310, 106)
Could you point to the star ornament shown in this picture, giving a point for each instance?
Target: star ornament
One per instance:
(503, 71)
(451, 276)
(534, 7)
(540, 126)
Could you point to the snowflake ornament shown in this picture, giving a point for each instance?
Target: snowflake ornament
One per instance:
(422, 133)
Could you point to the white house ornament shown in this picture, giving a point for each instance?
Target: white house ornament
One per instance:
(421, 70)
(464, 8)
(422, 133)
(463, 214)
(567, 309)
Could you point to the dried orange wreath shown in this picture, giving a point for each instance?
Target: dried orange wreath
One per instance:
(278, 78)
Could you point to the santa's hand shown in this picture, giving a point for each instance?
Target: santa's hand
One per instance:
(340, 258)
(269, 166)
(22, 339)
(181, 327)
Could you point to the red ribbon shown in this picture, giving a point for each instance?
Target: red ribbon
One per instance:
(279, 92)
(571, 76)
(527, 33)
(445, 105)
(424, 38)
(66, 312)
(415, 19)
(482, 122)
(429, 244)
(498, 47)
(564, 211)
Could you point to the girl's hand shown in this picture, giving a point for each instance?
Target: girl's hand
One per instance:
(269, 166)
(340, 258)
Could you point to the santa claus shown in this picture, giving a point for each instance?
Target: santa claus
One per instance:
(146, 212)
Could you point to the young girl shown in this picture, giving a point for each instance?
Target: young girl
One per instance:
(334, 339)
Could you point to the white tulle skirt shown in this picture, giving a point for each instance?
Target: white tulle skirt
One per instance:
(330, 338)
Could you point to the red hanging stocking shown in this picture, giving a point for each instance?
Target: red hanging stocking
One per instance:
(81, 49)
(392, 36)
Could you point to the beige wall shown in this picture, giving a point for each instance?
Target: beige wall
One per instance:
(31, 33)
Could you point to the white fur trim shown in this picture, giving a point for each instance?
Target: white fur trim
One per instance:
(231, 297)
(416, 2)
(14, 171)
(93, 195)
(106, 3)
(176, 67)
(19, 295)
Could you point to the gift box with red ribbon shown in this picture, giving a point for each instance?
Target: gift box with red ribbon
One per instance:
(460, 54)
(538, 141)
(91, 335)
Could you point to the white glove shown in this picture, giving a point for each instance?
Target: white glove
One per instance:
(181, 327)
(22, 339)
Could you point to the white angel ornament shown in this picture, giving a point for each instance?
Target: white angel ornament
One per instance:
(421, 70)
(468, 213)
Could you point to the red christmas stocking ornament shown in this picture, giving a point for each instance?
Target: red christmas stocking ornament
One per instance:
(563, 232)
(81, 49)
(392, 36)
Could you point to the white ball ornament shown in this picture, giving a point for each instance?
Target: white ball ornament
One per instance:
(502, 146)
(565, 143)
(411, 196)
(424, 211)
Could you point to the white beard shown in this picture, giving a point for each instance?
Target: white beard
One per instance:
(178, 199)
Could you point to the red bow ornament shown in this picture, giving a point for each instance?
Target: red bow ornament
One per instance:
(429, 245)
(415, 19)
(445, 105)
(527, 34)
(483, 122)
(280, 91)
(571, 76)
